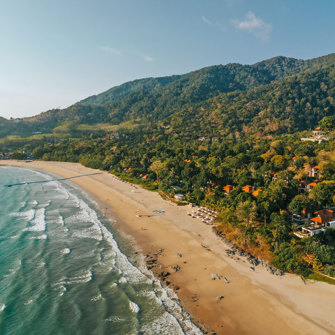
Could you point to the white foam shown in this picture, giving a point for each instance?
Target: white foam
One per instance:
(123, 280)
(66, 251)
(28, 215)
(13, 270)
(114, 318)
(130, 272)
(52, 184)
(47, 204)
(62, 290)
(41, 264)
(39, 221)
(86, 233)
(40, 237)
(63, 191)
(2, 307)
(97, 298)
(45, 176)
(28, 302)
(148, 294)
(34, 203)
(133, 307)
(86, 215)
(10, 272)
(61, 220)
(175, 312)
(103, 267)
(83, 278)
(170, 322)
(163, 325)
(86, 277)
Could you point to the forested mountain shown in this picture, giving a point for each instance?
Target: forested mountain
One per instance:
(3, 121)
(275, 95)
(212, 80)
(118, 92)
(291, 104)
(10, 127)
(3, 126)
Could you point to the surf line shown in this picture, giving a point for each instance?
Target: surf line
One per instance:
(47, 181)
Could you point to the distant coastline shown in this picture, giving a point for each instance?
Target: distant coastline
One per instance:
(186, 253)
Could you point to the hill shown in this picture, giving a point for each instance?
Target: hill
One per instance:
(296, 93)
(212, 80)
(118, 92)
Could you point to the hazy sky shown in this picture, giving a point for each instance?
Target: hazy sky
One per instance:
(56, 52)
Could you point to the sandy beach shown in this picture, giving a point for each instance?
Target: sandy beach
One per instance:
(254, 301)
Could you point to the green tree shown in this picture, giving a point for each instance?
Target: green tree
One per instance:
(247, 212)
(278, 162)
(300, 202)
(280, 224)
(323, 193)
(159, 168)
(327, 123)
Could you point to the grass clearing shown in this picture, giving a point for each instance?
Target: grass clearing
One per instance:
(319, 277)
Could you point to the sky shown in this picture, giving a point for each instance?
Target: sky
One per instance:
(54, 53)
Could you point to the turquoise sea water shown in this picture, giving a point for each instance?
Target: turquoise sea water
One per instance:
(62, 271)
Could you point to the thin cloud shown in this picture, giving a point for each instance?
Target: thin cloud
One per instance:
(253, 25)
(221, 26)
(206, 20)
(213, 23)
(148, 58)
(110, 50)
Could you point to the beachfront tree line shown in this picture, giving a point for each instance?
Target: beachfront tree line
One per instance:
(258, 220)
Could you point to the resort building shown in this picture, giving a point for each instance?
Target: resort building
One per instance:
(228, 188)
(310, 230)
(318, 136)
(256, 193)
(302, 187)
(318, 131)
(179, 197)
(325, 219)
(312, 171)
(306, 212)
(248, 188)
(324, 215)
(310, 186)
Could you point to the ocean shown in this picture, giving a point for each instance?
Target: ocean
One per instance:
(64, 269)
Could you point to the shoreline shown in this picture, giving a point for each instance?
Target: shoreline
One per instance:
(255, 302)
(139, 259)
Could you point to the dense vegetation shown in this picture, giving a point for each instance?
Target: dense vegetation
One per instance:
(250, 118)
(211, 95)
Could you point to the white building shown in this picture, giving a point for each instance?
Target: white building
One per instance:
(179, 197)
